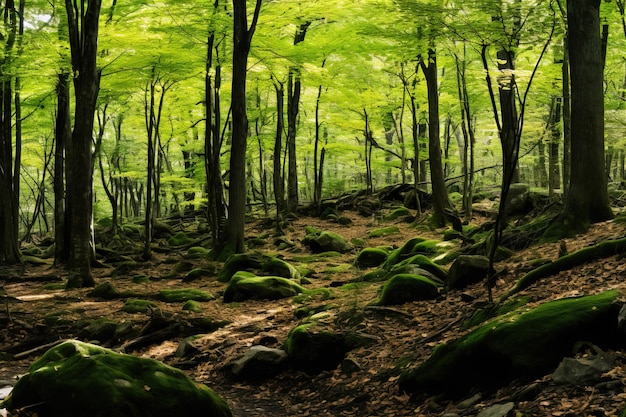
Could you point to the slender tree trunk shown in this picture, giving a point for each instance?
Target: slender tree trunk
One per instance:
(83, 20)
(9, 162)
(242, 38)
(442, 208)
(567, 119)
(278, 178)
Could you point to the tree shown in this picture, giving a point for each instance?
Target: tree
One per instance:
(587, 198)
(9, 162)
(83, 17)
(242, 39)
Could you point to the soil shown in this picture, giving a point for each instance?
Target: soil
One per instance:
(38, 314)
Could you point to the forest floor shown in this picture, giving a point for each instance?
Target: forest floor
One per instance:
(407, 334)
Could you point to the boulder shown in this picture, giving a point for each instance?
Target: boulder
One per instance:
(523, 344)
(184, 294)
(370, 257)
(404, 288)
(245, 286)
(313, 348)
(257, 262)
(422, 262)
(327, 241)
(259, 362)
(466, 270)
(76, 379)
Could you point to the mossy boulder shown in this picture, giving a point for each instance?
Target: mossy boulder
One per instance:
(404, 288)
(184, 294)
(313, 348)
(523, 344)
(327, 241)
(198, 273)
(370, 257)
(257, 262)
(397, 213)
(106, 290)
(245, 286)
(422, 262)
(134, 305)
(467, 270)
(75, 379)
(180, 239)
(197, 252)
(384, 231)
(193, 306)
(405, 251)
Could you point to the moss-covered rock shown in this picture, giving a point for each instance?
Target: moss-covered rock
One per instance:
(405, 251)
(423, 262)
(198, 273)
(75, 379)
(135, 305)
(397, 213)
(180, 239)
(327, 241)
(258, 262)
(467, 270)
(184, 294)
(370, 257)
(105, 290)
(313, 348)
(245, 286)
(197, 252)
(193, 306)
(404, 288)
(522, 344)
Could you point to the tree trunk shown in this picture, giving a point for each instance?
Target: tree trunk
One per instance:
(83, 29)
(587, 199)
(567, 119)
(9, 163)
(242, 38)
(442, 207)
(554, 177)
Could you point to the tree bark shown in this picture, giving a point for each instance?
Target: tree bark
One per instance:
(441, 204)
(83, 20)
(242, 38)
(587, 199)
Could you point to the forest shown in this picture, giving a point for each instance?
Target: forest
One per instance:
(377, 207)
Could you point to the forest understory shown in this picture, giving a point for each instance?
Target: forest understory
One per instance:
(39, 312)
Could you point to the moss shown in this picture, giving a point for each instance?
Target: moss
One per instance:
(197, 252)
(327, 241)
(397, 213)
(313, 349)
(484, 314)
(193, 306)
(375, 276)
(134, 305)
(184, 294)
(180, 239)
(318, 257)
(197, 273)
(384, 231)
(424, 263)
(140, 279)
(257, 261)
(105, 290)
(338, 269)
(76, 379)
(404, 288)
(402, 253)
(244, 286)
(370, 257)
(54, 286)
(523, 344)
(310, 230)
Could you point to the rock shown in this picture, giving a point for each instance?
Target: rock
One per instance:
(105, 290)
(260, 362)
(245, 286)
(197, 252)
(137, 306)
(522, 345)
(350, 366)
(313, 349)
(404, 288)
(188, 346)
(423, 262)
(179, 239)
(466, 270)
(327, 241)
(101, 329)
(198, 273)
(519, 200)
(254, 261)
(193, 306)
(384, 231)
(370, 257)
(498, 410)
(583, 371)
(75, 379)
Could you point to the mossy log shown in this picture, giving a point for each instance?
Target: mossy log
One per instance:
(523, 344)
(599, 251)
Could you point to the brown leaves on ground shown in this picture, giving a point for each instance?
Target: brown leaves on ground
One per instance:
(407, 334)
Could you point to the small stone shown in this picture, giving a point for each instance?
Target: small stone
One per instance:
(259, 362)
(498, 410)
